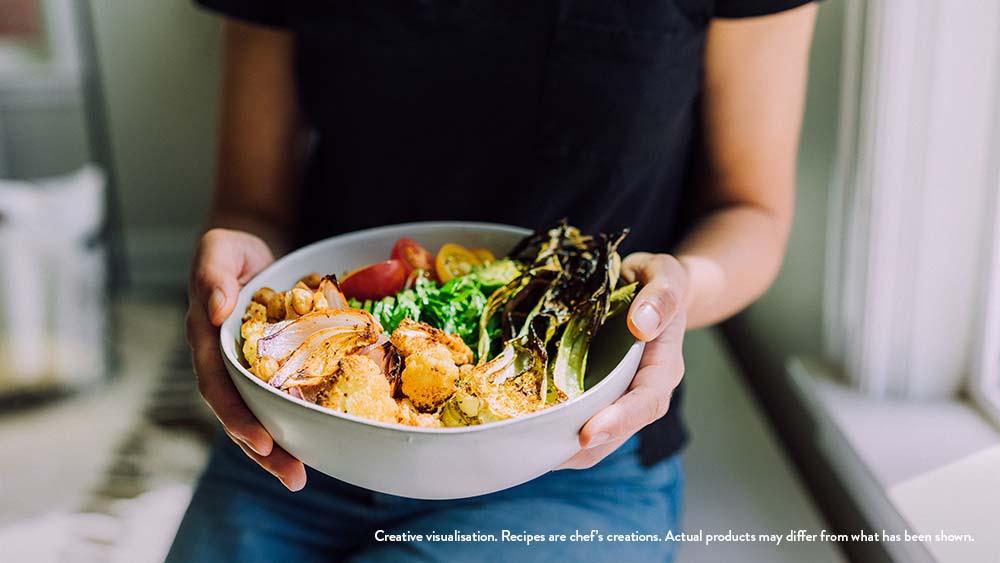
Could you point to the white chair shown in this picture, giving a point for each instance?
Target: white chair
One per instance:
(52, 282)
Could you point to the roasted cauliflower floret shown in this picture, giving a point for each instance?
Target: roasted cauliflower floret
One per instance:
(252, 330)
(429, 377)
(358, 387)
(411, 337)
(256, 312)
(492, 391)
(410, 416)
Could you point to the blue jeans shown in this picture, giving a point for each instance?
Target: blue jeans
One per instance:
(241, 513)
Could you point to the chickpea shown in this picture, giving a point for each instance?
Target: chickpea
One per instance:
(276, 308)
(312, 280)
(266, 368)
(264, 295)
(290, 312)
(302, 300)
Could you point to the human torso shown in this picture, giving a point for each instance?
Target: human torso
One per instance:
(513, 112)
(508, 112)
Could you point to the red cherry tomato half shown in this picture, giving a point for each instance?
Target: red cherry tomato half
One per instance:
(375, 281)
(415, 256)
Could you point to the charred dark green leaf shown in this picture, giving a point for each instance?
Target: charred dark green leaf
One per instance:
(556, 305)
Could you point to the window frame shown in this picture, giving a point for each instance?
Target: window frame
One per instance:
(984, 373)
(912, 287)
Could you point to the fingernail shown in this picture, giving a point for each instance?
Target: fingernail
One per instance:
(597, 440)
(294, 485)
(216, 300)
(646, 319)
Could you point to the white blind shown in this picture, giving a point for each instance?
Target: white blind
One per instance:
(912, 205)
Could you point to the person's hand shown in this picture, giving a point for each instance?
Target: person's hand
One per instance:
(224, 262)
(657, 316)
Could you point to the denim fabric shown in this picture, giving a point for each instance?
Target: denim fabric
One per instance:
(240, 513)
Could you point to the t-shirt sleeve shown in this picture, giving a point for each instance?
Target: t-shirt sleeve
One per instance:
(261, 12)
(752, 8)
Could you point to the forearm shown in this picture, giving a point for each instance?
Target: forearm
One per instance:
(755, 76)
(261, 144)
(731, 257)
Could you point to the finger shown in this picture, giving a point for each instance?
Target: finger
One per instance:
(290, 471)
(632, 264)
(216, 291)
(224, 261)
(661, 296)
(217, 388)
(648, 398)
(585, 459)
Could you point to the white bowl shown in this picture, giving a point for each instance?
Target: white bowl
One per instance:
(417, 462)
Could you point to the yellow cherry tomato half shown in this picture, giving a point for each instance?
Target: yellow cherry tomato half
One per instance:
(483, 255)
(454, 260)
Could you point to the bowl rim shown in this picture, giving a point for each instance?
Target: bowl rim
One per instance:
(636, 347)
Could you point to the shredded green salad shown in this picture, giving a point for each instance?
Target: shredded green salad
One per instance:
(454, 307)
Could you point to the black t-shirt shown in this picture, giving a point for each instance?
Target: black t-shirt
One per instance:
(502, 111)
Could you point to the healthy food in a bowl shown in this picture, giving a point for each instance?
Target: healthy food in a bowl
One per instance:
(414, 461)
(458, 338)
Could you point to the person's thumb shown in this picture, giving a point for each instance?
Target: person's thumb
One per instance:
(660, 297)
